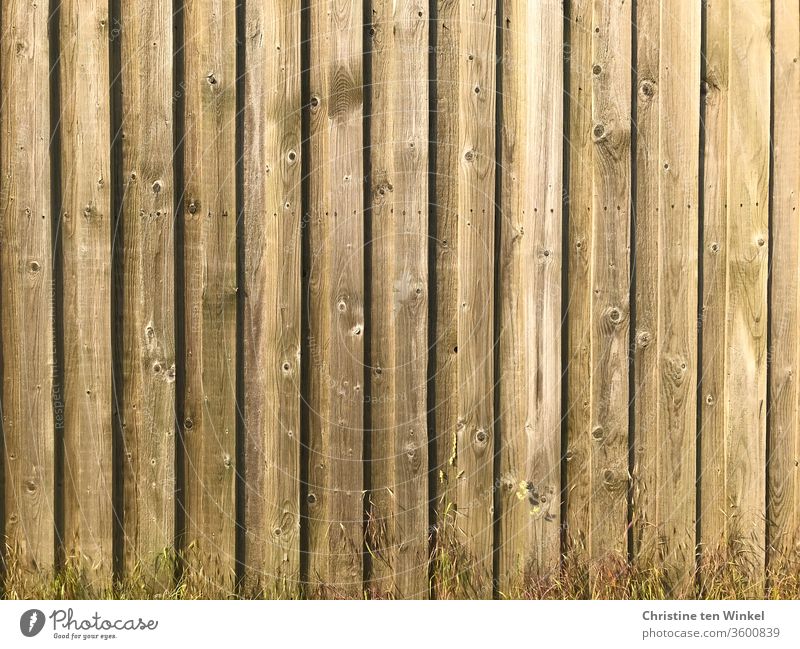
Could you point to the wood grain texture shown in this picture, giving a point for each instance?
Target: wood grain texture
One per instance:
(733, 449)
(783, 496)
(668, 87)
(577, 490)
(86, 231)
(272, 214)
(26, 289)
(399, 130)
(413, 314)
(713, 411)
(530, 294)
(444, 268)
(610, 268)
(148, 292)
(476, 215)
(209, 212)
(600, 178)
(336, 298)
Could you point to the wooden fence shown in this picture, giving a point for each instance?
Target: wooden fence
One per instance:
(309, 290)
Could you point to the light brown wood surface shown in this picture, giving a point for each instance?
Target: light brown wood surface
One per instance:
(145, 244)
(86, 232)
(398, 532)
(530, 294)
(335, 496)
(600, 174)
(578, 293)
(475, 441)
(783, 495)
(665, 338)
(736, 178)
(26, 290)
(444, 270)
(272, 311)
(491, 256)
(610, 268)
(209, 286)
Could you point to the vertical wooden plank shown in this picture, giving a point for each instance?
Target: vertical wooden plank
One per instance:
(650, 61)
(577, 490)
(148, 325)
(399, 522)
(209, 213)
(336, 300)
(748, 229)
(530, 293)
(85, 164)
(476, 191)
(600, 207)
(783, 497)
(382, 367)
(608, 276)
(444, 300)
(734, 457)
(272, 213)
(26, 291)
(668, 87)
(713, 414)
(399, 296)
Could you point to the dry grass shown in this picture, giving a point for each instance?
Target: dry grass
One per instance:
(719, 575)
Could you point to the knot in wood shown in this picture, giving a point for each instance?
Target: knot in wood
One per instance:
(675, 369)
(599, 132)
(647, 88)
